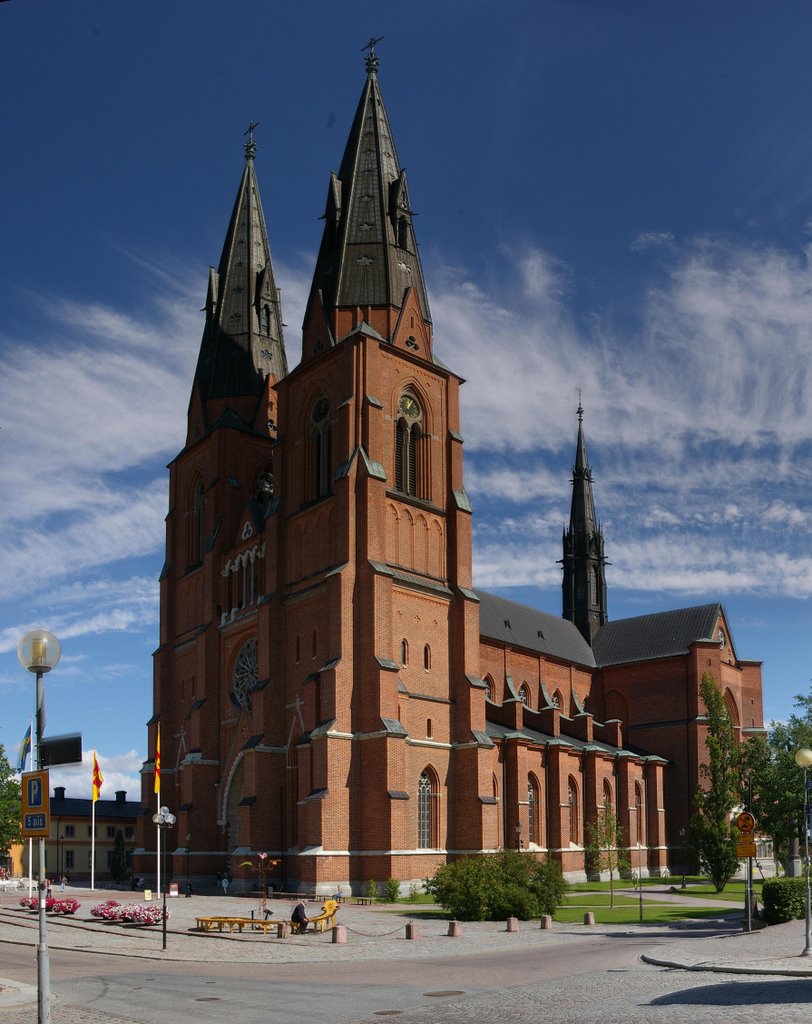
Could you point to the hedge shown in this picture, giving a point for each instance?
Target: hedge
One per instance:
(784, 899)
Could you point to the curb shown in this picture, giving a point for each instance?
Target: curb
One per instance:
(727, 968)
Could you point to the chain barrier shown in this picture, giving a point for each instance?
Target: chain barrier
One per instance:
(374, 935)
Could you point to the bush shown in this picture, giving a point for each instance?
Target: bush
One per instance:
(391, 889)
(784, 899)
(498, 886)
(372, 889)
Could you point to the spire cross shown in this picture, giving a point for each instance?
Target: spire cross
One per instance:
(251, 146)
(580, 409)
(372, 59)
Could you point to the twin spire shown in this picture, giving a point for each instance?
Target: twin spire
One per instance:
(368, 270)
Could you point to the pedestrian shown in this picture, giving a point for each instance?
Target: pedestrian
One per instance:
(63, 881)
(299, 919)
(224, 883)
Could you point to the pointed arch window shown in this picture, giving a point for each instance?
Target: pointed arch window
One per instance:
(574, 812)
(640, 814)
(488, 688)
(266, 319)
(404, 652)
(196, 534)
(320, 438)
(533, 810)
(427, 657)
(410, 471)
(426, 823)
(524, 695)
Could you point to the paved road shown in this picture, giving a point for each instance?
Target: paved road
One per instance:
(110, 975)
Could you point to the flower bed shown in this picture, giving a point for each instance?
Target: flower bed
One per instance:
(68, 906)
(133, 913)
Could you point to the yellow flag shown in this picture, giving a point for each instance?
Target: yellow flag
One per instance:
(98, 778)
(158, 762)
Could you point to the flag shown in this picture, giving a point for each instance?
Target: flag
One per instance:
(158, 762)
(25, 749)
(98, 778)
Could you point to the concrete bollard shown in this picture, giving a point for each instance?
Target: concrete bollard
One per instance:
(412, 931)
(546, 921)
(512, 924)
(340, 935)
(589, 917)
(455, 929)
(282, 930)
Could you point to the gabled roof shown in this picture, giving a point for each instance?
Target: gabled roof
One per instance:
(662, 635)
(515, 624)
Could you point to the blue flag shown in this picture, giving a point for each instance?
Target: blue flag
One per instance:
(25, 749)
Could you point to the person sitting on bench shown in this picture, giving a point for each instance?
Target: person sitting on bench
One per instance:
(299, 919)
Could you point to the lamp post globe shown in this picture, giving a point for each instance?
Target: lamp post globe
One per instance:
(39, 651)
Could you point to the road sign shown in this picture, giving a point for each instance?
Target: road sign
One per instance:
(36, 805)
(745, 848)
(746, 823)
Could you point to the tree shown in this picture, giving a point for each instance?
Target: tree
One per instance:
(711, 834)
(774, 780)
(118, 861)
(11, 808)
(604, 848)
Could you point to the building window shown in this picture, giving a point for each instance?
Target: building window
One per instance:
(640, 814)
(533, 811)
(69, 860)
(70, 831)
(89, 831)
(320, 438)
(404, 652)
(488, 688)
(196, 524)
(427, 657)
(574, 812)
(244, 674)
(428, 728)
(111, 832)
(425, 822)
(129, 832)
(266, 320)
(524, 695)
(557, 700)
(409, 441)
(607, 797)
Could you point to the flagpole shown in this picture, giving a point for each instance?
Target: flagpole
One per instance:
(93, 829)
(159, 846)
(30, 841)
(157, 788)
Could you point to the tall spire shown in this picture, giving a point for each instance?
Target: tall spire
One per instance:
(584, 584)
(242, 341)
(368, 268)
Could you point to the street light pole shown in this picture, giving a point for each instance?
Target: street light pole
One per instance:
(164, 819)
(188, 882)
(39, 651)
(803, 758)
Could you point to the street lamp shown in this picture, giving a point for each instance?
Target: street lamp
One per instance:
(39, 651)
(803, 758)
(164, 819)
(188, 882)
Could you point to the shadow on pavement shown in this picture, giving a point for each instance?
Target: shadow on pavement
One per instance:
(741, 993)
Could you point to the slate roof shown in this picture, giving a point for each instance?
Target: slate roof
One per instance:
(76, 807)
(662, 635)
(511, 623)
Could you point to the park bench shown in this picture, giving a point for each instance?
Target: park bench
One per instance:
(364, 901)
(208, 924)
(321, 922)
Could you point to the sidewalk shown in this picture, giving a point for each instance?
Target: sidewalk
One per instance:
(379, 932)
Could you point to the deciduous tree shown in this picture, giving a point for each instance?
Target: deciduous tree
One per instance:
(604, 849)
(10, 805)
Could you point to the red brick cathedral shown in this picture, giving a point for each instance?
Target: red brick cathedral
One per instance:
(330, 687)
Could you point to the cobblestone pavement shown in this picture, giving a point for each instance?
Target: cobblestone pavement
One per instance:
(728, 976)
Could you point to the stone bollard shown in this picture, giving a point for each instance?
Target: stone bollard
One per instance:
(412, 931)
(455, 929)
(589, 917)
(340, 935)
(512, 924)
(546, 921)
(282, 930)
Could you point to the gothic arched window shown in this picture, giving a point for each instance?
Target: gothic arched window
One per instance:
(524, 695)
(196, 524)
(409, 437)
(425, 812)
(320, 437)
(533, 810)
(574, 812)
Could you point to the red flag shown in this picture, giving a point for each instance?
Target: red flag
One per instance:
(158, 762)
(98, 778)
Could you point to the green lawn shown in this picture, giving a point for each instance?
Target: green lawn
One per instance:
(652, 914)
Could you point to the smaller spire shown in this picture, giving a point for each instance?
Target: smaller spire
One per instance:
(372, 60)
(251, 146)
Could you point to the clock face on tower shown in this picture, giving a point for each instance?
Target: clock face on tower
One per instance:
(408, 406)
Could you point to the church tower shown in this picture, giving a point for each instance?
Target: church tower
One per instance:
(584, 584)
(317, 685)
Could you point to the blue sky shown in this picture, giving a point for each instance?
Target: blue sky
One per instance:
(611, 196)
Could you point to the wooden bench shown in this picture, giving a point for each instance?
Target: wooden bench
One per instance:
(208, 924)
(364, 901)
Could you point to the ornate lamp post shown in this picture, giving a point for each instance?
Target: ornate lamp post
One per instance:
(164, 819)
(803, 758)
(39, 651)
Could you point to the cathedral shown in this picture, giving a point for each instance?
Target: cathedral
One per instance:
(330, 687)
